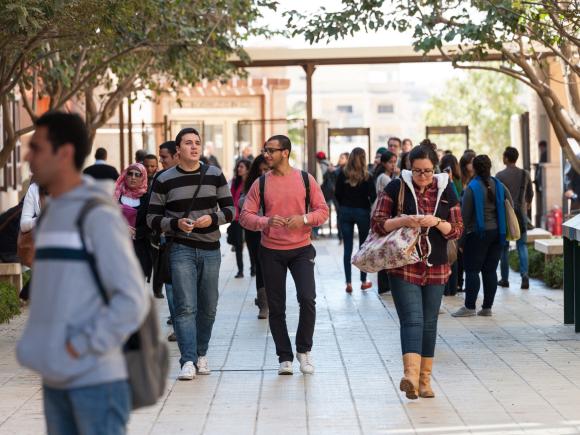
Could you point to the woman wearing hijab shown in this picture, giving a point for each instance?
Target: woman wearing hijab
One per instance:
(130, 190)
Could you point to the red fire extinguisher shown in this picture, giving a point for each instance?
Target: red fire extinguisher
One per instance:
(558, 219)
(550, 221)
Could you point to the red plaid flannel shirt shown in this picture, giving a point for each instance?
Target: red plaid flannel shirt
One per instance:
(419, 273)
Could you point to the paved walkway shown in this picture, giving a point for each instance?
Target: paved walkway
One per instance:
(517, 372)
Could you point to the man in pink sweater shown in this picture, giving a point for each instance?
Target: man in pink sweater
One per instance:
(292, 203)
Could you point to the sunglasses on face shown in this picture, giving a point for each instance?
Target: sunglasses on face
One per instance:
(134, 174)
(425, 172)
(271, 151)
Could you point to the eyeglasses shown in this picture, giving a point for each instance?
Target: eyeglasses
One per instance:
(134, 174)
(425, 172)
(271, 151)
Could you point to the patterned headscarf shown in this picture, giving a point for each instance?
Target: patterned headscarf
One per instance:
(122, 188)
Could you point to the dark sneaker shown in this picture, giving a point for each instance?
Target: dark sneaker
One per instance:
(525, 283)
(239, 275)
(503, 283)
(172, 337)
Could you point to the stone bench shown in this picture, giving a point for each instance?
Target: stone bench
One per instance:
(550, 247)
(538, 234)
(12, 273)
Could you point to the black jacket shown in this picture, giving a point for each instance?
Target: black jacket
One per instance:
(102, 172)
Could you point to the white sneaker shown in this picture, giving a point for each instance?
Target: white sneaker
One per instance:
(187, 372)
(285, 368)
(202, 366)
(306, 365)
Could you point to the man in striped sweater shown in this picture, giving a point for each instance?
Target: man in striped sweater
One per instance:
(195, 252)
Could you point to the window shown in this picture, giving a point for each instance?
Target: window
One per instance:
(386, 108)
(344, 108)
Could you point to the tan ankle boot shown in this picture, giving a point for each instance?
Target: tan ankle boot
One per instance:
(425, 390)
(410, 381)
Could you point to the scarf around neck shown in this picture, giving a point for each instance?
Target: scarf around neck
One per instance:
(479, 202)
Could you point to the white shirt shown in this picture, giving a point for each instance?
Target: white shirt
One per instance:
(30, 209)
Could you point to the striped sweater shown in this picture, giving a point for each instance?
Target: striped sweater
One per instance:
(171, 196)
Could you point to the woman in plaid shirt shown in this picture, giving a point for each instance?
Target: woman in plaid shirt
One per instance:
(430, 203)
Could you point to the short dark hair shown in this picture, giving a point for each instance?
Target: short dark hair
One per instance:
(67, 128)
(140, 155)
(425, 150)
(511, 154)
(543, 143)
(284, 141)
(169, 146)
(150, 157)
(183, 132)
(395, 138)
(101, 154)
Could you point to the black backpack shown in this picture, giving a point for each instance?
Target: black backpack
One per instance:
(328, 184)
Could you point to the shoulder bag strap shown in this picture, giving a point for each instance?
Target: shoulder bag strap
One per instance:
(306, 181)
(262, 184)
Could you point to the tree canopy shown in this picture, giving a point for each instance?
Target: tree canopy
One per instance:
(97, 53)
(530, 35)
(482, 100)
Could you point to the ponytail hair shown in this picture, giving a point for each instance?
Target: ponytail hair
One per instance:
(482, 168)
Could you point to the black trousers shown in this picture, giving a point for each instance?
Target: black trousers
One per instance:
(275, 265)
(253, 241)
(238, 243)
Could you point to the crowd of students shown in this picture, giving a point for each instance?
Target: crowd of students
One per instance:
(166, 225)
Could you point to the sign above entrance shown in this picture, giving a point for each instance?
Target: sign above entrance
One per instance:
(451, 129)
(336, 132)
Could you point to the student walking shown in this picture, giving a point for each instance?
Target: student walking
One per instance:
(131, 195)
(292, 203)
(483, 210)
(259, 167)
(388, 166)
(355, 192)
(450, 166)
(188, 203)
(519, 184)
(72, 339)
(101, 170)
(236, 230)
(430, 203)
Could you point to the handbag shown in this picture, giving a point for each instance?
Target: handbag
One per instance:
(25, 248)
(146, 355)
(451, 251)
(396, 249)
(513, 232)
(164, 263)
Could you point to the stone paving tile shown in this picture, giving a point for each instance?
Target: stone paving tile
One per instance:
(517, 372)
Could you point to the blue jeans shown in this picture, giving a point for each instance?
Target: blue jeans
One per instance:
(96, 410)
(349, 216)
(522, 247)
(418, 310)
(194, 274)
(170, 303)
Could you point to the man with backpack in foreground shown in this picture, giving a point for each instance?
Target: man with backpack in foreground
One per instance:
(74, 338)
(292, 203)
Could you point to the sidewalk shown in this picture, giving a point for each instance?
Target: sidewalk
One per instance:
(516, 372)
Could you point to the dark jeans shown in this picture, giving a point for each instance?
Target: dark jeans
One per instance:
(522, 247)
(481, 255)
(275, 264)
(349, 216)
(418, 309)
(253, 241)
(238, 239)
(451, 286)
(96, 410)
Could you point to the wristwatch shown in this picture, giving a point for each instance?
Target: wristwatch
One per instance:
(305, 220)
